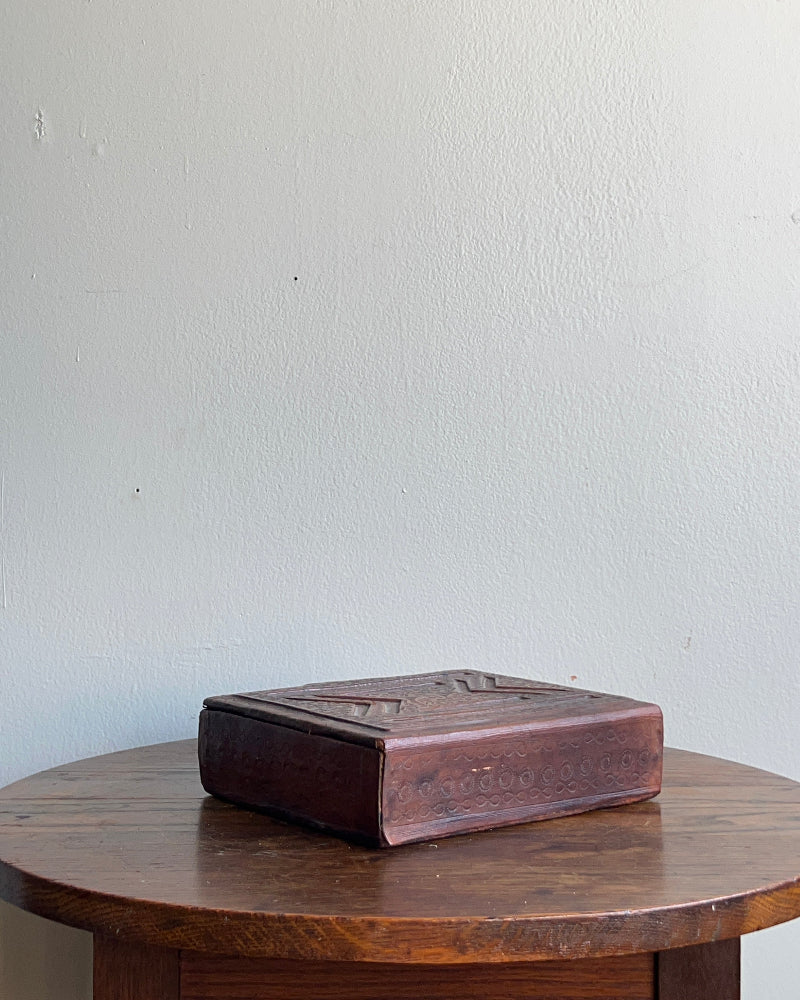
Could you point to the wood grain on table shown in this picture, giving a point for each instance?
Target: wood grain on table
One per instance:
(129, 846)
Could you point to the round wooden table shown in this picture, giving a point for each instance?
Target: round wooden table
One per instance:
(190, 898)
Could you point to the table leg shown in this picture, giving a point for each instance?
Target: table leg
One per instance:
(699, 972)
(125, 971)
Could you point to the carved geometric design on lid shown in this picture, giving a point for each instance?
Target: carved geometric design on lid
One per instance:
(356, 706)
(397, 701)
(488, 683)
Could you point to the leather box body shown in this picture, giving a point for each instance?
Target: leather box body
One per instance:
(388, 761)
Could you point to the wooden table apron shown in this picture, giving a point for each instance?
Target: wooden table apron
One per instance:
(190, 898)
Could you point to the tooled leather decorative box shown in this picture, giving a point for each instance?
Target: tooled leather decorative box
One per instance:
(401, 759)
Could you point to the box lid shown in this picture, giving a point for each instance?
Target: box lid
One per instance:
(445, 704)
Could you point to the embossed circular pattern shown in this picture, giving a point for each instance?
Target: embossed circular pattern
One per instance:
(521, 773)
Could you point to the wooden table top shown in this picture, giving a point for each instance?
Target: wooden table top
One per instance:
(129, 845)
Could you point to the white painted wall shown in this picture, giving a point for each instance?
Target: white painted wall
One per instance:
(346, 338)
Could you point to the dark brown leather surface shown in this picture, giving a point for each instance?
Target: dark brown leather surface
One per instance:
(404, 759)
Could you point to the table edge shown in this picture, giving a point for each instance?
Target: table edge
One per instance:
(402, 940)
